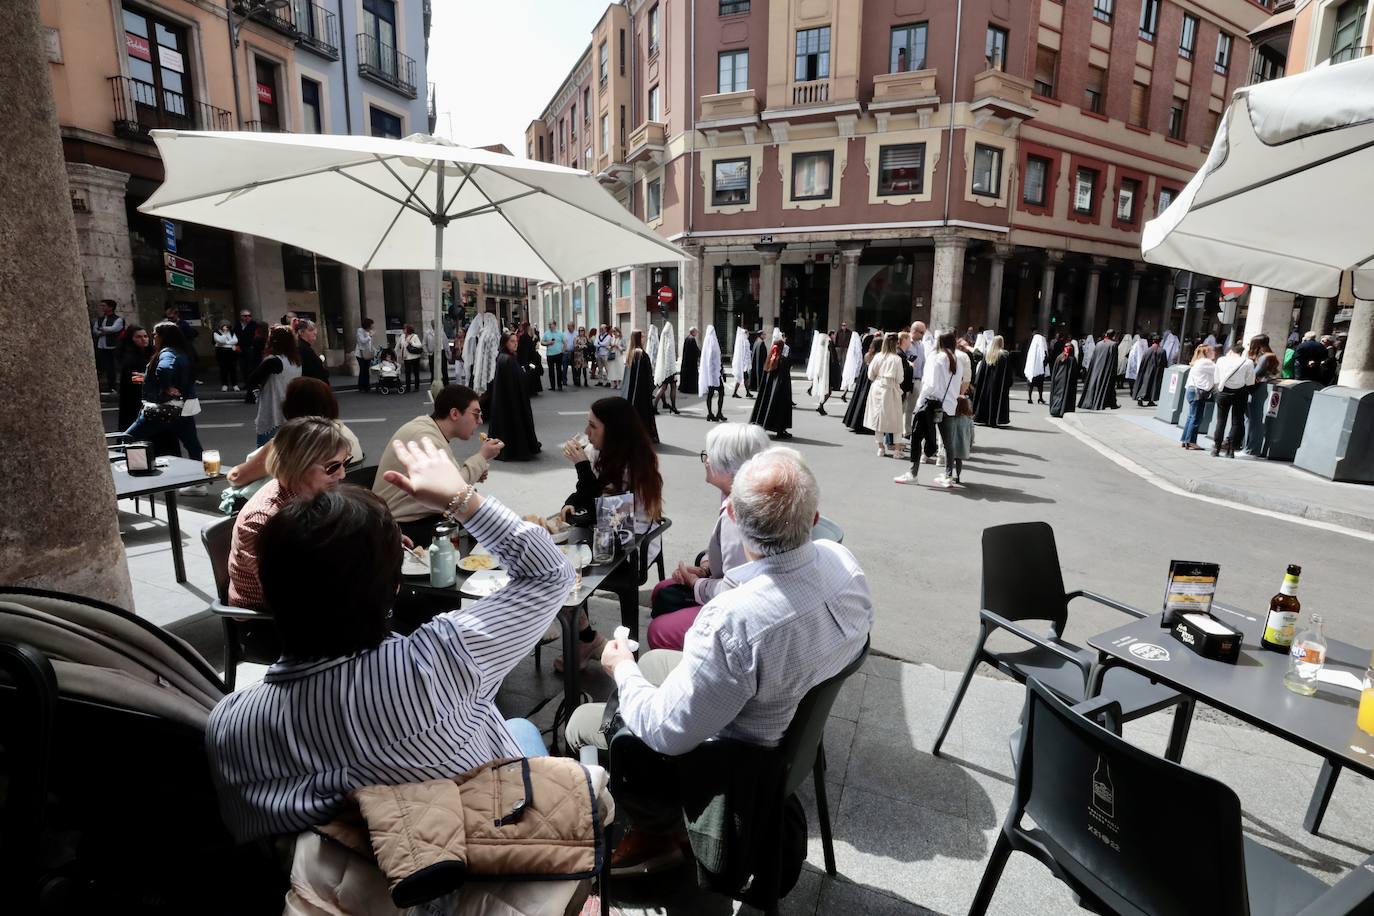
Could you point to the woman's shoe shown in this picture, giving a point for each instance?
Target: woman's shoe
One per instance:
(882, 452)
(1230, 449)
(821, 410)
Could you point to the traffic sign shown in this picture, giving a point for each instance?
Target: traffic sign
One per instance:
(180, 280)
(1233, 289)
(185, 265)
(169, 235)
(665, 294)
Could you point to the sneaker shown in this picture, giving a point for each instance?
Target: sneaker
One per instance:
(941, 480)
(586, 651)
(199, 489)
(906, 477)
(223, 387)
(930, 459)
(238, 387)
(643, 853)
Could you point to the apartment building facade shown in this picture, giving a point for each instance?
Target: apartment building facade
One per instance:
(977, 163)
(121, 68)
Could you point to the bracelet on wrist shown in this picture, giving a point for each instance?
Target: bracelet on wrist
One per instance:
(459, 503)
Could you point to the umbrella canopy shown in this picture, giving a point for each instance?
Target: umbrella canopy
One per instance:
(378, 204)
(1277, 203)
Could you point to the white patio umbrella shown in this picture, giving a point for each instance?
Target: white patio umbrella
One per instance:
(1283, 200)
(378, 204)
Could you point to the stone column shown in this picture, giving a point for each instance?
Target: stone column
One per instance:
(1271, 312)
(1166, 308)
(102, 233)
(352, 314)
(692, 311)
(246, 276)
(1053, 259)
(1357, 368)
(1132, 301)
(770, 286)
(1322, 312)
(60, 529)
(834, 295)
(639, 311)
(947, 285)
(1000, 254)
(1095, 268)
(849, 303)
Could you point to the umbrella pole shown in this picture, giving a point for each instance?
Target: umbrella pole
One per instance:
(440, 342)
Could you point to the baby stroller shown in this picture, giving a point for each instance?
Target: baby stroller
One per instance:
(388, 374)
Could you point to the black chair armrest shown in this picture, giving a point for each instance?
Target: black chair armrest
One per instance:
(1102, 710)
(1109, 602)
(700, 556)
(1000, 622)
(220, 609)
(1353, 894)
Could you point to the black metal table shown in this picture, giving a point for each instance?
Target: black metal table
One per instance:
(1252, 690)
(171, 475)
(576, 602)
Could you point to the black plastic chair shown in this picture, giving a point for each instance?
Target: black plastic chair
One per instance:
(249, 635)
(361, 476)
(1131, 833)
(802, 753)
(1022, 582)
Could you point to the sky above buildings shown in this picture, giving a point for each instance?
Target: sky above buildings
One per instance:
(496, 65)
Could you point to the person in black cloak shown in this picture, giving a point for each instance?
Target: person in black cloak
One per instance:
(687, 368)
(1064, 382)
(992, 387)
(1100, 391)
(509, 417)
(639, 383)
(531, 363)
(758, 356)
(836, 358)
(854, 414)
(1149, 377)
(773, 407)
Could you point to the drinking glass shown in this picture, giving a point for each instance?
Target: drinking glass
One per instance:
(603, 545)
(210, 460)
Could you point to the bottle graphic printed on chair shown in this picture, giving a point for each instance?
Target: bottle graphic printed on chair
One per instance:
(1104, 794)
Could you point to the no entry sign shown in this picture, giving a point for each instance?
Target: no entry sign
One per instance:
(665, 294)
(1233, 289)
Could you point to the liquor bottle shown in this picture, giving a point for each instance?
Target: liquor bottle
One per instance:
(1283, 613)
(1306, 658)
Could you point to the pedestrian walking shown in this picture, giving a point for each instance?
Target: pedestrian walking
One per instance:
(711, 376)
(687, 368)
(106, 331)
(226, 356)
(603, 354)
(509, 415)
(569, 345)
(739, 362)
(939, 397)
(883, 410)
(364, 349)
(639, 384)
(1235, 375)
(553, 355)
(1034, 371)
(1200, 388)
(131, 362)
(412, 351)
(773, 407)
(170, 402)
(245, 332)
(280, 365)
(1064, 383)
(307, 332)
(579, 360)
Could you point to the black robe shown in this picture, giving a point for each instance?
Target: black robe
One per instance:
(1149, 377)
(758, 358)
(531, 363)
(509, 416)
(773, 406)
(992, 392)
(1100, 391)
(639, 390)
(687, 373)
(1063, 386)
(854, 413)
(836, 381)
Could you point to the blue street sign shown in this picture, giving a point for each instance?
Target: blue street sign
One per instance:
(169, 235)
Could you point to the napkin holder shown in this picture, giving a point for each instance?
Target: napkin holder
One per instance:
(1215, 640)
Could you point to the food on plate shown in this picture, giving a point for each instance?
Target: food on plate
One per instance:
(552, 525)
(475, 562)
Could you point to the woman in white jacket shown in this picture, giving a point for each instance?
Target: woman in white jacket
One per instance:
(940, 386)
(883, 410)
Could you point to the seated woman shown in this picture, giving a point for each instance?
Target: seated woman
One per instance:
(678, 598)
(350, 703)
(308, 456)
(621, 461)
(305, 397)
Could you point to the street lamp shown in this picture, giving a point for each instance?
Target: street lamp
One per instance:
(250, 9)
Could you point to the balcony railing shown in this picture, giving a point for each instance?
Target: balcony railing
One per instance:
(909, 88)
(1351, 53)
(646, 140)
(1002, 94)
(280, 19)
(137, 110)
(317, 29)
(812, 92)
(263, 127)
(730, 106)
(383, 64)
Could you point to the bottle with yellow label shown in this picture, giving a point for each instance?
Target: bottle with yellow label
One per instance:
(1283, 613)
(1365, 717)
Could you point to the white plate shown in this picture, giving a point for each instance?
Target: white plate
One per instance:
(484, 583)
(562, 536)
(412, 565)
(470, 563)
(579, 554)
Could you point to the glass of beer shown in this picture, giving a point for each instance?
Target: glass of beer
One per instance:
(210, 459)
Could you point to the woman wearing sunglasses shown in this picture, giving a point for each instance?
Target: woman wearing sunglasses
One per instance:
(307, 456)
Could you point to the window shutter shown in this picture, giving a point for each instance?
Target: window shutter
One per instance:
(1140, 104)
(1034, 191)
(904, 156)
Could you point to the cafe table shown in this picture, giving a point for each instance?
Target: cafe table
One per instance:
(169, 475)
(1251, 689)
(576, 602)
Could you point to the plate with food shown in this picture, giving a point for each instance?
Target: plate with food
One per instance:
(554, 525)
(414, 563)
(485, 582)
(477, 562)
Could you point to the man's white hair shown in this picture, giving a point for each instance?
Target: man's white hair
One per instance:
(775, 497)
(728, 447)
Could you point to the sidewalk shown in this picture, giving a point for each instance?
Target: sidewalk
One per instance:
(1150, 448)
(912, 832)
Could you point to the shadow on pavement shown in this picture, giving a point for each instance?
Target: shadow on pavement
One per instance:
(987, 492)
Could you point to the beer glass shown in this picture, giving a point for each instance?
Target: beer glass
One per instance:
(210, 460)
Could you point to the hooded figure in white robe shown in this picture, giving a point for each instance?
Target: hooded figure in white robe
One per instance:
(651, 344)
(1170, 345)
(470, 348)
(710, 375)
(739, 361)
(1138, 349)
(818, 370)
(1034, 370)
(484, 360)
(1123, 352)
(984, 341)
(665, 369)
(853, 364)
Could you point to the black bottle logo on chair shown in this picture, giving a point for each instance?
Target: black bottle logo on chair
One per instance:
(1104, 795)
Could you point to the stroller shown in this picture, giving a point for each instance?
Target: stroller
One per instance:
(110, 805)
(388, 374)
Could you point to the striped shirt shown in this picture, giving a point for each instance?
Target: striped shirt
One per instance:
(794, 620)
(287, 751)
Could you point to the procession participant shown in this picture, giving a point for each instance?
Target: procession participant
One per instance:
(665, 370)
(527, 357)
(510, 418)
(1171, 346)
(1123, 355)
(687, 368)
(1100, 392)
(854, 366)
(711, 376)
(858, 405)
(773, 408)
(1064, 383)
(639, 384)
(758, 355)
(992, 386)
(740, 362)
(1034, 369)
(1138, 348)
(1150, 376)
(818, 370)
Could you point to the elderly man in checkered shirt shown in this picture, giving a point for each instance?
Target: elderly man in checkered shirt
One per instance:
(799, 612)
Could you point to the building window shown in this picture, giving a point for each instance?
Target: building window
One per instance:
(901, 168)
(620, 46)
(1035, 188)
(1140, 105)
(587, 105)
(603, 63)
(1046, 66)
(1126, 197)
(1085, 191)
(1149, 19)
(541, 147)
(605, 135)
(268, 94)
(1349, 31)
(384, 123)
(813, 54)
(562, 135)
(729, 7)
(653, 30)
(572, 123)
(311, 120)
(1222, 64)
(156, 57)
(811, 175)
(995, 48)
(1166, 197)
(1178, 113)
(1187, 39)
(589, 156)
(624, 281)
(733, 71)
(379, 24)
(987, 170)
(622, 125)
(1102, 10)
(653, 199)
(653, 103)
(1216, 128)
(729, 182)
(907, 48)
(1094, 88)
